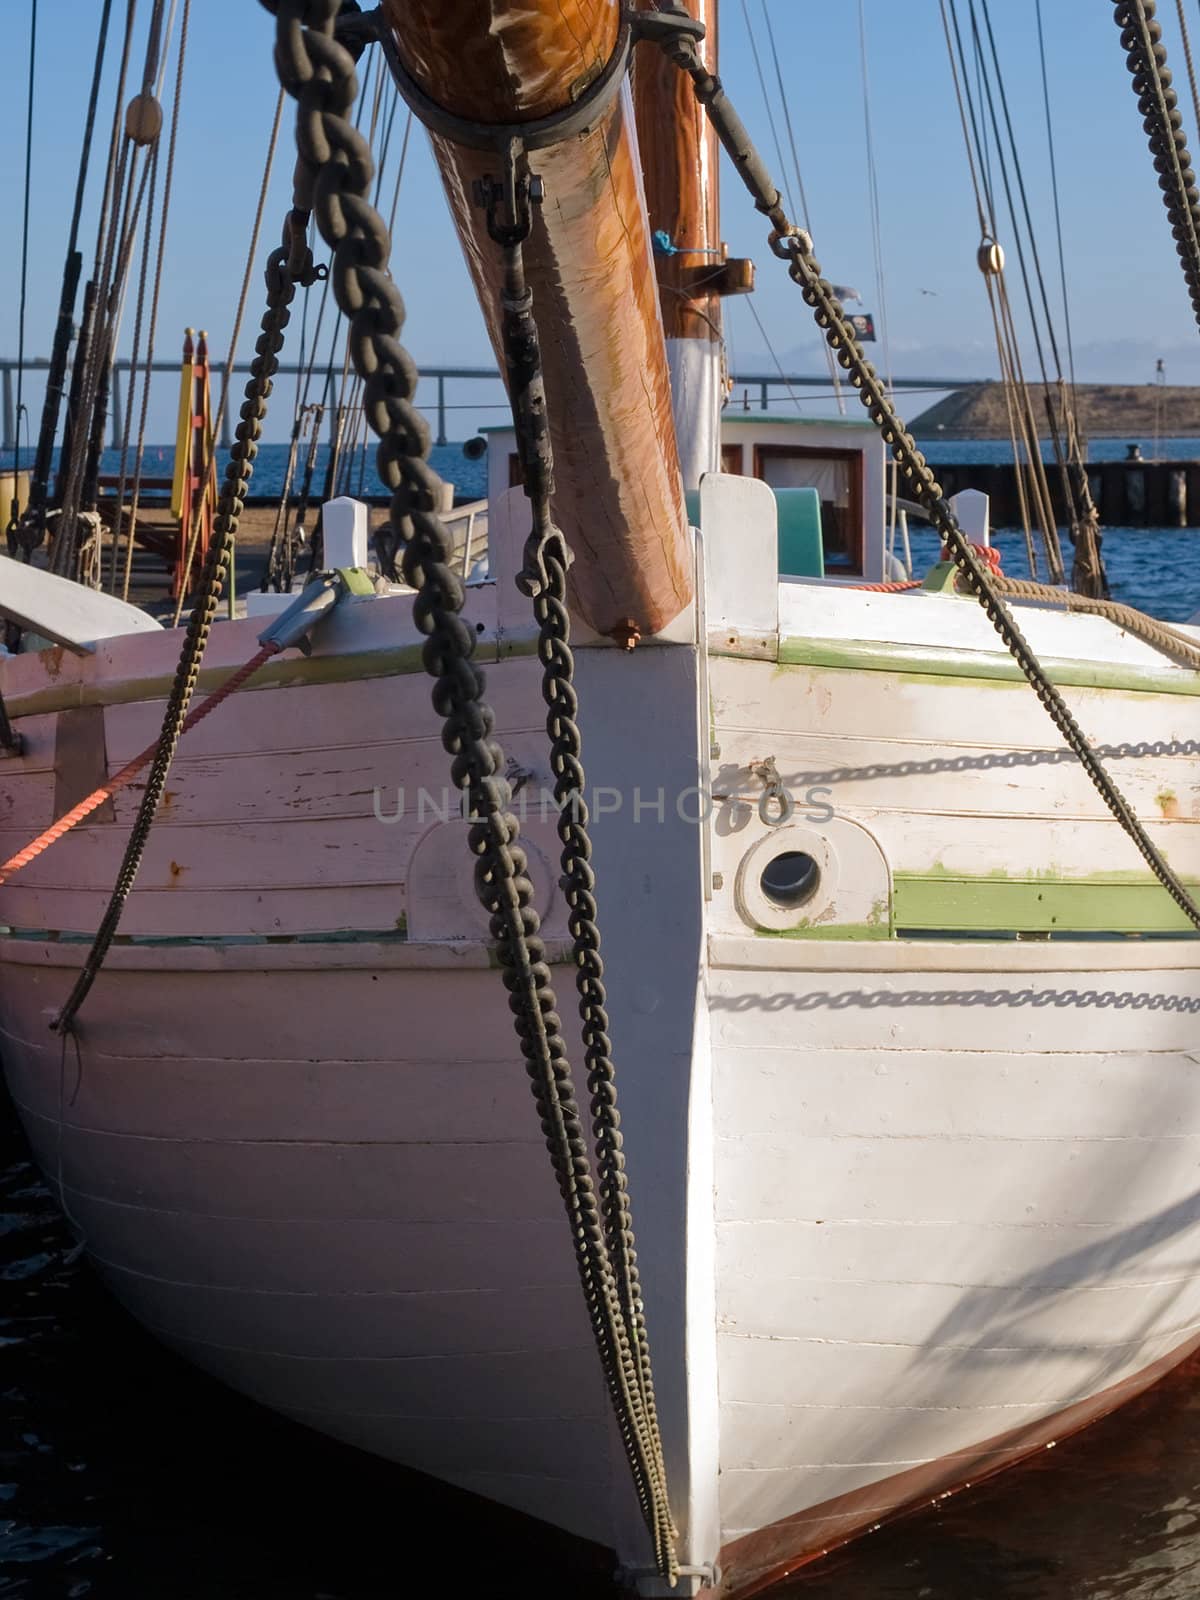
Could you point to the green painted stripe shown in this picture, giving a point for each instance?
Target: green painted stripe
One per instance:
(930, 664)
(288, 672)
(1101, 904)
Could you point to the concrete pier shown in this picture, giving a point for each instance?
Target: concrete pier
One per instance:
(1128, 494)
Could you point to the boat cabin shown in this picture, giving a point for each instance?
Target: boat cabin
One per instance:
(828, 475)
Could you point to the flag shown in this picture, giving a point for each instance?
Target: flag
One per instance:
(863, 324)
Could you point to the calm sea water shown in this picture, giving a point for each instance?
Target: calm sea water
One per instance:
(125, 1475)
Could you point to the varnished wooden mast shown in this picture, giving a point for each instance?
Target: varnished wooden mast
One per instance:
(679, 159)
(618, 493)
(681, 164)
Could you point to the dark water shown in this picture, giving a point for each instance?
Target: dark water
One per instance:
(1156, 569)
(125, 1474)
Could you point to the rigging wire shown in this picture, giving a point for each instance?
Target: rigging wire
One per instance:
(834, 375)
(787, 115)
(164, 216)
(159, 48)
(753, 310)
(64, 332)
(873, 192)
(1088, 571)
(90, 358)
(15, 508)
(877, 248)
(1023, 468)
(227, 377)
(1062, 261)
(1187, 56)
(762, 84)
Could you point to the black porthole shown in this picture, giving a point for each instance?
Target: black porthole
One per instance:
(790, 878)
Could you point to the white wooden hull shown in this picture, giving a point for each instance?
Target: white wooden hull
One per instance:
(903, 1192)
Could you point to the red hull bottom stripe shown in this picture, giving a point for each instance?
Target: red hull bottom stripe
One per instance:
(755, 1562)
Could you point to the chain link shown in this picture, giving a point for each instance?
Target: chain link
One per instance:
(793, 246)
(290, 264)
(333, 175)
(509, 206)
(1146, 58)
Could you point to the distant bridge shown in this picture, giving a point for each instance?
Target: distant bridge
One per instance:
(762, 383)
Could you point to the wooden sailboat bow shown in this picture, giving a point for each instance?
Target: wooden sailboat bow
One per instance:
(551, 76)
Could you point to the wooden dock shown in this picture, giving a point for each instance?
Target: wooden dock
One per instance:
(1128, 494)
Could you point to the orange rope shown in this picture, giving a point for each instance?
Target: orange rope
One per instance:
(120, 780)
(889, 588)
(987, 553)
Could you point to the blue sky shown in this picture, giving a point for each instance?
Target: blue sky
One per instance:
(1128, 303)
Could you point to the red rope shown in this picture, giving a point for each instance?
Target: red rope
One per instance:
(120, 780)
(987, 553)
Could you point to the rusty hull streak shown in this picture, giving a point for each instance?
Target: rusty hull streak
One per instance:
(618, 491)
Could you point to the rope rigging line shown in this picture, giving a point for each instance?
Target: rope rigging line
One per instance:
(1050, 147)
(168, 185)
(288, 265)
(1187, 56)
(873, 192)
(134, 362)
(1027, 461)
(1018, 398)
(160, 46)
(288, 537)
(31, 534)
(227, 376)
(1088, 574)
(791, 133)
(1033, 432)
(877, 249)
(14, 513)
(94, 349)
(1146, 59)
(335, 170)
(795, 247)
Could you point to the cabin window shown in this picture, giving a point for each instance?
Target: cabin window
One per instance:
(732, 459)
(837, 476)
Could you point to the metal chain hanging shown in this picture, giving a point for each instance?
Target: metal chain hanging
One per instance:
(1146, 58)
(676, 32)
(288, 266)
(509, 204)
(333, 176)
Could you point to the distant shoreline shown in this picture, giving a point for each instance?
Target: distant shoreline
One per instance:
(1105, 411)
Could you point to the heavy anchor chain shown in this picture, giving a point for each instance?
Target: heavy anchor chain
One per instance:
(287, 267)
(333, 175)
(509, 205)
(1146, 58)
(676, 33)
